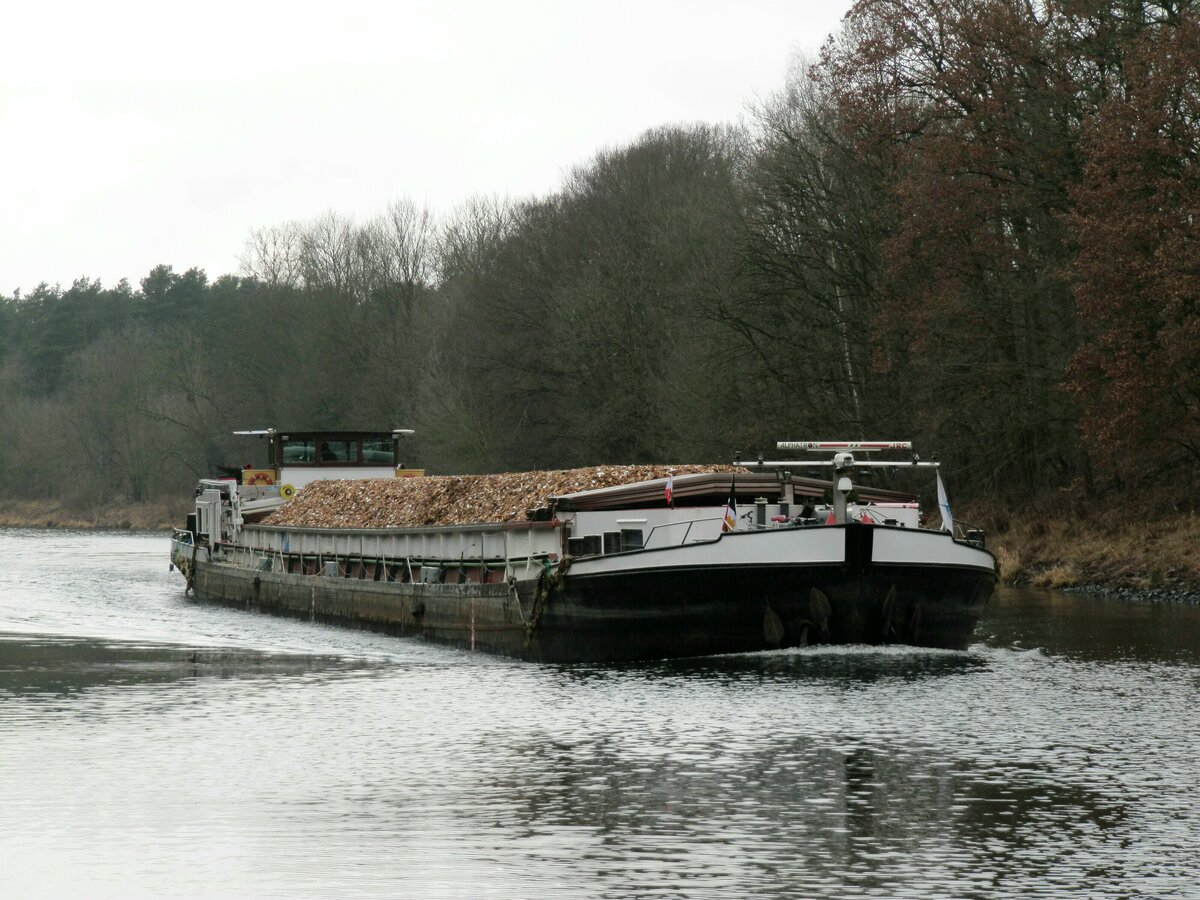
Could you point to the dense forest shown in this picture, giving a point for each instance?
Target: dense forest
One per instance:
(968, 222)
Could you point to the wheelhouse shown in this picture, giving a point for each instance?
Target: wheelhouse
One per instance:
(297, 458)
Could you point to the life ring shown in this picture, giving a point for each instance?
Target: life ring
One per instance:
(287, 492)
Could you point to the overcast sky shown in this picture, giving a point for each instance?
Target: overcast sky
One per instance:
(133, 134)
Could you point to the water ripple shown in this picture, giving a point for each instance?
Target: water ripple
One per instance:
(151, 746)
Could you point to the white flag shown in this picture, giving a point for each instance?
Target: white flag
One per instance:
(944, 505)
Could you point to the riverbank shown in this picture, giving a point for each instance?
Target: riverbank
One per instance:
(1136, 555)
(155, 516)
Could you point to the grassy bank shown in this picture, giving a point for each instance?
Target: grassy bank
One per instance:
(55, 514)
(1111, 549)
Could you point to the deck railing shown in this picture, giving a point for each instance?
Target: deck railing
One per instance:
(689, 523)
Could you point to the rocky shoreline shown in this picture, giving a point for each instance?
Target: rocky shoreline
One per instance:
(1173, 594)
(1149, 558)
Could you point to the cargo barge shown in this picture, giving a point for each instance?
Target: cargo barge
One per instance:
(697, 561)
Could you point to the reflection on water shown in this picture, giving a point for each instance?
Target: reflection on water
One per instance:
(152, 746)
(46, 666)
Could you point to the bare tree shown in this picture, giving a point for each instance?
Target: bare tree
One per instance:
(273, 255)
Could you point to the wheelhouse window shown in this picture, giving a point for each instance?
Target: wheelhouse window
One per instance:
(337, 449)
(299, 451)
(378, 452)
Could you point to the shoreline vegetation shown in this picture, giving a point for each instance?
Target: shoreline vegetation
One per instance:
(1135, 557)
(152, 516)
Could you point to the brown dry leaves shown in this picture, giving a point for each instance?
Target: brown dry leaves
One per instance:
(452, 499)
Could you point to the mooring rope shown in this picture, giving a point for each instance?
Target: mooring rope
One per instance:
(512, 589)
(191, 579)
(548, 579)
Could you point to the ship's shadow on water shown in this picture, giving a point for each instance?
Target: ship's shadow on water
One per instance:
(57, 666)
(854, 664)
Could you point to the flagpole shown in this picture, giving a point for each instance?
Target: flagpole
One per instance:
(729, 520)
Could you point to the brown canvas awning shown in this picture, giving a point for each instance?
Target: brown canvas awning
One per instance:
(713, 489)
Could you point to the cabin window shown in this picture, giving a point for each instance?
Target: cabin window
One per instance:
(299, 451)
(631, 539)
(588, 545)
(612, 542)
(339, 451)
(378, 452)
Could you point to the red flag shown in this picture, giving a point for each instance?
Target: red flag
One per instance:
(669, 490)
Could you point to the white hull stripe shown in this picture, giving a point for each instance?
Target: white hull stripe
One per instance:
(796, 547)
(881, 568)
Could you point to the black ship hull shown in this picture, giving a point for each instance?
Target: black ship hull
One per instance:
(636, 615)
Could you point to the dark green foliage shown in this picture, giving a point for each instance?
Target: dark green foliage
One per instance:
(592, 314)
(170, 298)
(45, 328)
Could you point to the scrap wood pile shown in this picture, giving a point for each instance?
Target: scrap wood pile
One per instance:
(452, 499)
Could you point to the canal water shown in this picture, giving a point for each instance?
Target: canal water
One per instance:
(151, 746)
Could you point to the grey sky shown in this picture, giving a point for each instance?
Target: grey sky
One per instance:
(143, 133)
